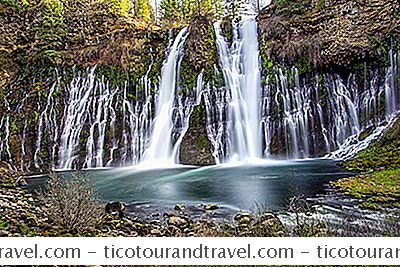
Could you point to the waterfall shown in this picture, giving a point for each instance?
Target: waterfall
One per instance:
(161, 145)
(327, 114)
(86, 119)
(240, 65)
(369, 109)
(75, 116)
(184, 110)
(5, 152)
(216, 102)
(48, 116)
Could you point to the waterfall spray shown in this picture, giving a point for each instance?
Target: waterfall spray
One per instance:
(240, 65)
(161, 147)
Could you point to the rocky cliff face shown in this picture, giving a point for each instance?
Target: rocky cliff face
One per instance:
(196, 148)
(40, 44)
(329, 33)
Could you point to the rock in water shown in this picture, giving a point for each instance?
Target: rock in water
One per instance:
(179, 207)
(211, 207)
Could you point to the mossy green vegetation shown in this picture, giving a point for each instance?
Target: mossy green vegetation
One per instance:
(196, 148)
(175, 13)
(291, 6)
(378, 185)
(200, 54)
(383, 154)
(376, 158)
(51, 30)
(376, 189)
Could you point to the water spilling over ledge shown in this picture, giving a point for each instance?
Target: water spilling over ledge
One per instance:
(86, 120)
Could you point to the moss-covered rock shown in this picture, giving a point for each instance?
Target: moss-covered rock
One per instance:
(383, 154)
(378, 185)
(375, 190)
(195, 147)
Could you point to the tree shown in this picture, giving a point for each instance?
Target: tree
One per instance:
(170, 9)
(184, 10)
(143, 9)
(188, 8)
(232, 9)
(119, 7)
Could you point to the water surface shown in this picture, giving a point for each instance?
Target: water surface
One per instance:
(247, 187)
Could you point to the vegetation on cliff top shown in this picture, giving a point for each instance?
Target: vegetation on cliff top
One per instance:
(327, 34)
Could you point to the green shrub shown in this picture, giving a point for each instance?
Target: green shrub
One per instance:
(291, 6)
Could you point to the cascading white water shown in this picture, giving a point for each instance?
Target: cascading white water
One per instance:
(98, 117)
(106, 124)
(5, 152)
(370, 106)
(75, 116)
(48, 116)
(240, 65)
(90, 120)
(328, 111)
(216, 102)
(161, 146)
(306, 117)
(184, 109)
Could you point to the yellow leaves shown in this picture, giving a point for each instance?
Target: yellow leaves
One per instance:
(53, 6)
(143, 9)
(119, 7)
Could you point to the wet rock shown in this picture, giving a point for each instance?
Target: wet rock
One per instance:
(21, 181)
(211, 207)
(242, 215)
(178, 222)
(270, 225)
(115, 208)
(3, 233)
(196, 149)
(179, 207)
(156, 232)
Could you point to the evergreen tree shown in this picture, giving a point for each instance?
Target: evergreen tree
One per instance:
(143, 9)
(188, 8)
(233, 8)
(119, 7)
(170, 9)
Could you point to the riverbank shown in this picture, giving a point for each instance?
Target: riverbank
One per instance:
(27, 214)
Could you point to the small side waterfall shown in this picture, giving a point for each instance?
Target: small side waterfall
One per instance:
(5, 151)
(216, 101)
(89, 123)
(161, 147)
(240, 65)
(75, 115)
(326, 114)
